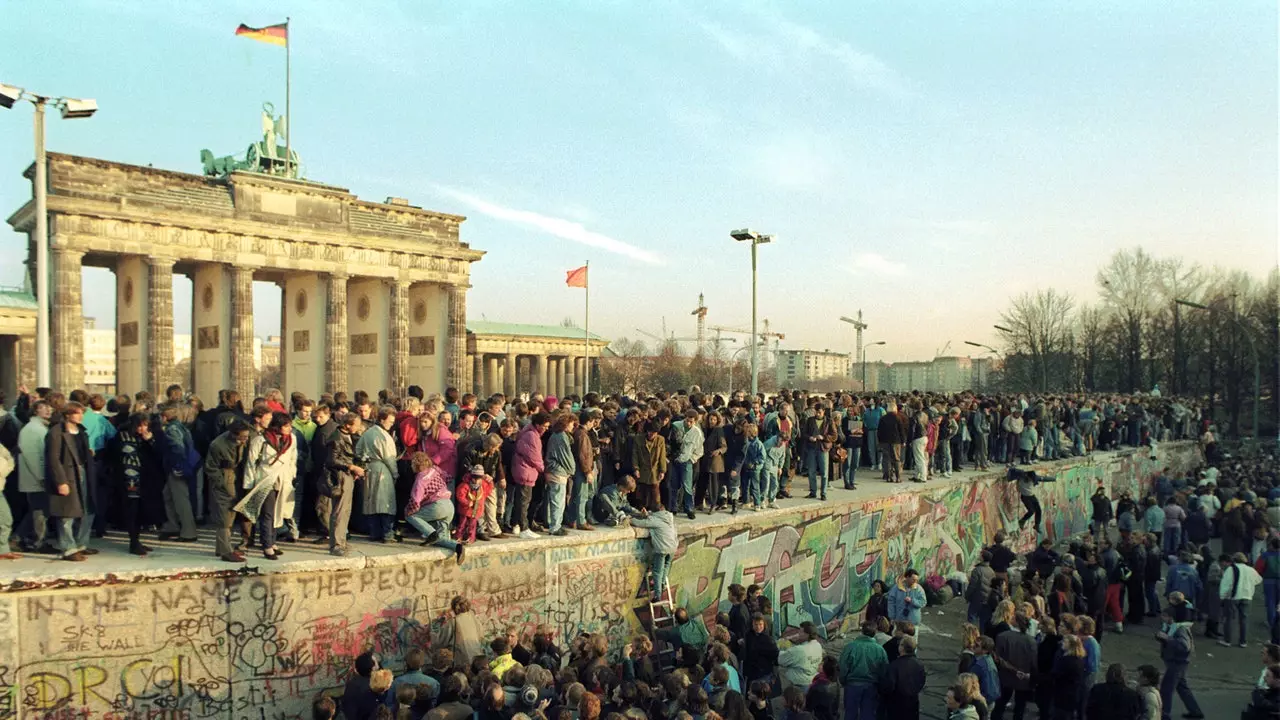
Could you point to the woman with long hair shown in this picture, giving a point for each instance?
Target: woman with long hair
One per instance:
(439, 443)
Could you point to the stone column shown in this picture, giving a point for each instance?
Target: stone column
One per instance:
(476, 379)
(336, 342)
(398, 342)
(492, 382)
(510, 375)
(243, 374)
(540, 373)
(455, 372)
(557, 379)
(571, 376)
(580, 369)
(67, 320)
(160, 324)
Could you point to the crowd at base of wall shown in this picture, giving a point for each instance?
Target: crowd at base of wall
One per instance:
(228, 647)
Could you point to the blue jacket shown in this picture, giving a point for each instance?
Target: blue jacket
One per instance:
(988, 678)
(900, 609)
(1184, 579)
(178, 451)
(753, 456)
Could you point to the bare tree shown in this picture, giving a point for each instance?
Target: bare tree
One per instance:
(1125, 284)
(1039, 326)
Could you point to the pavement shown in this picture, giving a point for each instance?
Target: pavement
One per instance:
(169, 559)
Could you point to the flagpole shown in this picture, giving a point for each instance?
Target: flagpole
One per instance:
(586, 334)
(288, 120)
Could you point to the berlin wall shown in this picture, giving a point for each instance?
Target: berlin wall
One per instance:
(260, 646)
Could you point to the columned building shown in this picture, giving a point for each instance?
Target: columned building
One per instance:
(372, 293)
(513, 358)
(17, 341)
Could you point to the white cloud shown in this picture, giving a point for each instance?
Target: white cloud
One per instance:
(783, 38)
(559, 227)
(877, 264)
(862, 67)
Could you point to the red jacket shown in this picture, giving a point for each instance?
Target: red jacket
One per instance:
(471, 500)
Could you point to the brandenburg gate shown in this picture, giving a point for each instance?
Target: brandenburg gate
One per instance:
(373, 293)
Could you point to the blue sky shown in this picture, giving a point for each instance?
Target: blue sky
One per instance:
(920, 162)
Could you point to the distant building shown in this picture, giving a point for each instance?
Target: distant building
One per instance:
(948, 374)
(802, 367)
(100, 357)
(270, 352)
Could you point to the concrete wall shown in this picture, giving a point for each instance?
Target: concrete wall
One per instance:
(234, 646)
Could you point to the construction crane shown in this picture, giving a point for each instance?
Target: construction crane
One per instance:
(944, 349)
(701, 312)
(664, 340)
(859, 326)
(741, 331)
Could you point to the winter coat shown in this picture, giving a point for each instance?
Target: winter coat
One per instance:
(1018, 650)
(376, 452)
(440, 445)
(979, 586)
(760, 655)
(1113, 701)
(266, 467)
(527, 464)
(649, 456)
(662, 531)
(1101, 508)
(222, 463)
(799, 664)
(892, 429)
(68, 461)
(900, 688)
(714, 450)
(900, 608)
(560, 462)
(31, 456)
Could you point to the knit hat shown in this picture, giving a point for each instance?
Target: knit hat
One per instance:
(477, 470)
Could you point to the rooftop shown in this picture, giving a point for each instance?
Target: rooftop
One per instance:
(13, 299)
(481, 327)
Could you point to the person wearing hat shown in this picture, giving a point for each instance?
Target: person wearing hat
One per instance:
(472, 492)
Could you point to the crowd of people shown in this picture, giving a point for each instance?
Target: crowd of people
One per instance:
(457, 469)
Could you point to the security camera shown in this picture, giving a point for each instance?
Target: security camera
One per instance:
(74, 108)
(9, 95)
(743, 234)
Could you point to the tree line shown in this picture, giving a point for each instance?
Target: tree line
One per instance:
(1154, 322)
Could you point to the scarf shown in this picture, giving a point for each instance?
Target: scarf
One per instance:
(279, 442)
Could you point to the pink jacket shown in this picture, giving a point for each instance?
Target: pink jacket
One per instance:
(527, 464)
(442, 450)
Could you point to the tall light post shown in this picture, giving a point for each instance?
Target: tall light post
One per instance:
(1253, 349)
(71, 108)
(756, 239)
(864, 362)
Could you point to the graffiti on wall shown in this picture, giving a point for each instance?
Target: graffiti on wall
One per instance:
(261, 647)
(819, 566)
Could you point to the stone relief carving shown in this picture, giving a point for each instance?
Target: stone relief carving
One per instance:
(301, 340)
(208, 338)
(364, 344)
(422, 345)
(128, 334)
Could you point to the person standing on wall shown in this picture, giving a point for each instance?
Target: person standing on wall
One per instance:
(891, 436)
(223, 465)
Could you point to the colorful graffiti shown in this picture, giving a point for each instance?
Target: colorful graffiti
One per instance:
(818, 566)
(261, 647)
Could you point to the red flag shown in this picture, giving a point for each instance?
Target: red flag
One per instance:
(576, 277)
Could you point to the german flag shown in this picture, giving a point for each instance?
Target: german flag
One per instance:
(274, 34)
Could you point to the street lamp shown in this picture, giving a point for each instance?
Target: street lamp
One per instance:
(1253, 348)
(984, 347)
(71, 108)
(1003, 329)
(864, 362)
(756, 239)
